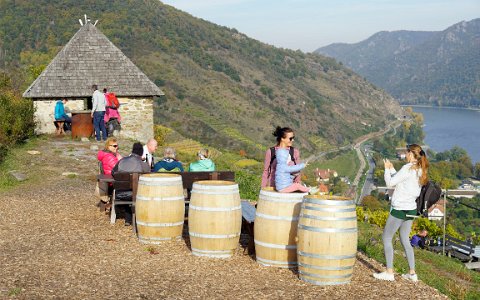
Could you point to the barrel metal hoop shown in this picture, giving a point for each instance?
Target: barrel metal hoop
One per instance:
(215, 193)
(324, 276)
(328, 202)
(149, 224)
(213, 236)
(196, 253)
(176, 198)
(270, 217)
(322, 282)
(331, 230)
(163, 179)
(327, 218)
(276, 263)
(325, 268)
(322, 256)
(276, 246)
(212, 251)
(328, 209)
(280, 200)
(285, 195)
(203, 208)
(157, 183)
(146, 238)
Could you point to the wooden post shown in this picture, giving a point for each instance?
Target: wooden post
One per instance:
(444, 218)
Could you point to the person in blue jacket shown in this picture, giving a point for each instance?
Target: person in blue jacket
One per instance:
(203, 164)
(60, 114)
(284, 174)
(418, 240)
(169, 162)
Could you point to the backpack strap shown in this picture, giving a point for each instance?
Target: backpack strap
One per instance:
(292, 154)
(272, 158)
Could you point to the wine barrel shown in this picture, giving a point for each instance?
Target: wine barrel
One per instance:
(327, 240)
(215, 218)
(275, 228)
(160, 207)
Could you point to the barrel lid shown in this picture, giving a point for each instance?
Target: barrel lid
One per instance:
(328, 197)
(215, 182)
(160, 177)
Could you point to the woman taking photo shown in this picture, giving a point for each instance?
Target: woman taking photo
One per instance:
(408, 183)
(285, 138)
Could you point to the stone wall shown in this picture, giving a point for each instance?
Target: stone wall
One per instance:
(137, 118)
(136, 113)
(45, 113)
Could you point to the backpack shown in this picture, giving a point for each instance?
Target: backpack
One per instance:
(273, 156)
(429, 195)
(113, 100)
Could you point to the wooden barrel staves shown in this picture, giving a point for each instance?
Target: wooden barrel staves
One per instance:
(160, 207)
(215, 218)
(275, 228)
(327, 240)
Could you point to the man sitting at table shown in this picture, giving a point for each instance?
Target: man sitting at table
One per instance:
(131, 164)
(60, 114)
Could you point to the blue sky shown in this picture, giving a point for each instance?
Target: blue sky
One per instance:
(310, 24)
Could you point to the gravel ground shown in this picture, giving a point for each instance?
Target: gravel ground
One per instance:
(55, 244)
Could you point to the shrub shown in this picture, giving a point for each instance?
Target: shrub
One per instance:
(378, 217)
(16, 122)
(249, 184)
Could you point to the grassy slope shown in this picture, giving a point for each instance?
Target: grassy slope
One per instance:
(446, 274)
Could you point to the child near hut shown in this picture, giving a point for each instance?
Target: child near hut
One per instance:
(283, 175)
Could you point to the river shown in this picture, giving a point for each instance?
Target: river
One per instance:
(449, 127)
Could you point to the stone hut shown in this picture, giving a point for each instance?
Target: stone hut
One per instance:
(90, 58)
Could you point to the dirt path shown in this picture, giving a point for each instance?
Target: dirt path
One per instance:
(54, 243)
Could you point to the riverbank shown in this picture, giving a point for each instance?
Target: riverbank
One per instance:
(447, 107)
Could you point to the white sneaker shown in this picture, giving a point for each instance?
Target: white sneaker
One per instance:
(412, 277)
(384, 276)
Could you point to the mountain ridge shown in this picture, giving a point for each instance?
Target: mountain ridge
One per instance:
(420, 67)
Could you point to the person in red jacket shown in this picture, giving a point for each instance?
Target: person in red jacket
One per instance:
(109, 156)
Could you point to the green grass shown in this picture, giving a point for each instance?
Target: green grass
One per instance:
(346, 164)
(446, 274)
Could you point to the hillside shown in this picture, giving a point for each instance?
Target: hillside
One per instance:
(435, 68)
(222, 88)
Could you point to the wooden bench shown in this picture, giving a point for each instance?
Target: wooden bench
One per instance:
(129, 181)
(459, 249)
(248, 219)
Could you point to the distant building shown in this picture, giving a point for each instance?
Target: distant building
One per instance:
(436, 212)
(323, 175)
(91, 58)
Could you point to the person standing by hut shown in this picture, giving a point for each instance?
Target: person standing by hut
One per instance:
(98, 113)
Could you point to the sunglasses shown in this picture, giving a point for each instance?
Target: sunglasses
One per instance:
(114, 146)
(291, 138)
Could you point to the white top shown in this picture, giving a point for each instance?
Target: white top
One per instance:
(148, 157)
(407, 186)
(98, 101)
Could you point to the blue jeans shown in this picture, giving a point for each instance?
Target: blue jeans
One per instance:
(99, 125)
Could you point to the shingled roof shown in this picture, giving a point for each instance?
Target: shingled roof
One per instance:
(90, 58)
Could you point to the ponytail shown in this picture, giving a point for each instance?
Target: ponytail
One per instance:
(281, 132)
(422, 161)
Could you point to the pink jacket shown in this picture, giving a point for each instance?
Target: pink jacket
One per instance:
(111, 113)
(108, 159)
(269, 179)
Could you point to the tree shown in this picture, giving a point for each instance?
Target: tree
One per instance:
(476, 170)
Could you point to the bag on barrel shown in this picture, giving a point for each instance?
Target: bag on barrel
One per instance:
(429, 195)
